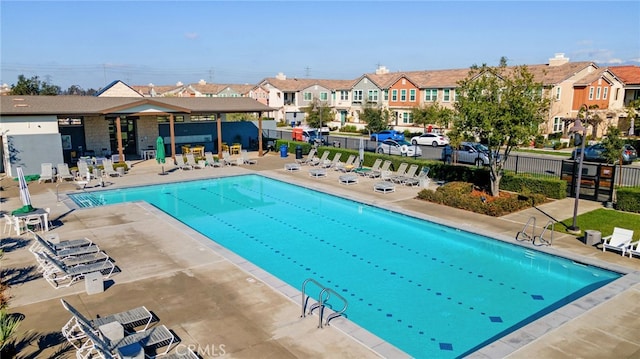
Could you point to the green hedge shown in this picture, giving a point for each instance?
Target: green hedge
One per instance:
(628, 199)
(552, 188)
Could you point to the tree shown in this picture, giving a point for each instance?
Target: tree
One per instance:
(376, 118)
(33, 86)
(503, 107)
(612, 145)
(432, 114)
(318, 114)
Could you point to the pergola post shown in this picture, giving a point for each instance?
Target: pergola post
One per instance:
(219, 129)
(172, 135)
(119, 139)
(260, 134)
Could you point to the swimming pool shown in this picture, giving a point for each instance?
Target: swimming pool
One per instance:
(429, 289)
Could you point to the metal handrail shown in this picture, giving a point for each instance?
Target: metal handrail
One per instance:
(526, 236)
(544, 230)
(323, 297)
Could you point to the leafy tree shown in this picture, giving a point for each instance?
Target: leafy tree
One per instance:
(503, 107)
(613, 145)
(33, 86)
(318, 114)
(432, 114)
(376, 118)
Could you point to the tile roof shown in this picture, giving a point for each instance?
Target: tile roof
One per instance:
(630, 75)
(90, 105)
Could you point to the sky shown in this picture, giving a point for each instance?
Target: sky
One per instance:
(92, 43)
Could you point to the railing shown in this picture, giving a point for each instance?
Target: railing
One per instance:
(323, 298)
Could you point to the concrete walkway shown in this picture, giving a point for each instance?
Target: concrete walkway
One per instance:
(225, 307)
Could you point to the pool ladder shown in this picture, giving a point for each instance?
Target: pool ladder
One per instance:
(528, 233)
(323, 298)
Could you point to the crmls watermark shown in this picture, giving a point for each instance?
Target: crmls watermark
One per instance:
(204, 351)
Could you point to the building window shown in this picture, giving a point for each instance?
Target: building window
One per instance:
(344, 95)
(558, 124)
(446, 96)
(386, 95)
(394, 95)
(598, 92)
(403, 95)
(373, 95)
(430, 95)
(166, 118)
(324, 96)
(591, 89)
(558, 92)
(605, 93)
(307, 96)
(69, 121)
(455, 95)
(406, 118)
(357, 95)
(412, 95)
(198, 118)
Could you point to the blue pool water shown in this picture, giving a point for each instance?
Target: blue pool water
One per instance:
(431, 290)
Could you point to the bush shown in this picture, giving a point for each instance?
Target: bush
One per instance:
(349, 128)
(628, 199)
(462, 195)
(539, 141)
(549, 187)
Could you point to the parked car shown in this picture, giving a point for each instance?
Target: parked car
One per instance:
(472, 152)
(387, 134)
(310, 135)
(596, 153)
(400, 147)
(430, 139)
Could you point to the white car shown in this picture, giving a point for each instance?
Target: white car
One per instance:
(430, 139)
(401, 148)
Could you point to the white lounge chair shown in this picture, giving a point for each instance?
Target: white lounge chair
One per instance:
(346, 166)
(191, 161)
(634, 249)
(246, 160)
(108, 168)
(130, 319)
(63, 172)
(409, 175)
(211, 162)
(399, 173)
(333, 162)
(232, 160)
(320, 161)
(60, 275)
(83, 172)
(421, 180)
(620, 240)
(46, 172)
(310, 158)
(182, 164)
(62, 250)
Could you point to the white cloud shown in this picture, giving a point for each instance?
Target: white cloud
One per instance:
(191, 35)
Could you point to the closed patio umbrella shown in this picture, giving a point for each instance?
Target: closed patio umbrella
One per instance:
(160, 155)
(361, 151)
(25, 197)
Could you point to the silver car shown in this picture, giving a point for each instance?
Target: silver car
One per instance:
(473, 152)
(400, 148)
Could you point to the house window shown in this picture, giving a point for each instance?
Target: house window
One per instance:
(446, 97)
(394, 95)
(403, 95)
(605, 93)
(591, 89)
(386, 95)
(557, 124)
(307, 96)
(373, 95)
(558, 92)
(196, 118)
(598, 92)
(357, 95)
(69, 121)
(430, 95)
(455, 95)
(406, 118)
(344, 95)
(324, 96)
(412, 95)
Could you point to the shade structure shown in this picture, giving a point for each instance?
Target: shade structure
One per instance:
(160, 155)
(25, 197)
(361, 151)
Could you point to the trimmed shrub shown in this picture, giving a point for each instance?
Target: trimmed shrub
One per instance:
(550, 187)
(628, 199)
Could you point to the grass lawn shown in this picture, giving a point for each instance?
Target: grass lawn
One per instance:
(603, 220)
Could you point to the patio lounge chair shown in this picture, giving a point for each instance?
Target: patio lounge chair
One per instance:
(232, 160)
(347, 166)
(378, 167)
(333, 162)
(62, 251)
(245, 158)
(211, 162)
(320, 161)
(60, 275)
(310, 158)
(384, 187)
(130, 319)
(83, 171)
(46, 172)
(108, 168)
(101, 346)
(63, 172)
(399, 173)
(620, 240)
(421, 180)
(182, 164)
(634, 249)
(407, 176)
(191, 161)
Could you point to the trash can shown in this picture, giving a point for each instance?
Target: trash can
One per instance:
(298, 152)
(592, 237)
(283, 150)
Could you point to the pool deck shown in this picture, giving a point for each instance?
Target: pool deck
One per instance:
(223, 306)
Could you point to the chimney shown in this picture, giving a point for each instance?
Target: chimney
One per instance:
(281, 76)
(381, 70)
(558, 60)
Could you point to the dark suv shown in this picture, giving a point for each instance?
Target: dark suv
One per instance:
(596, 153)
